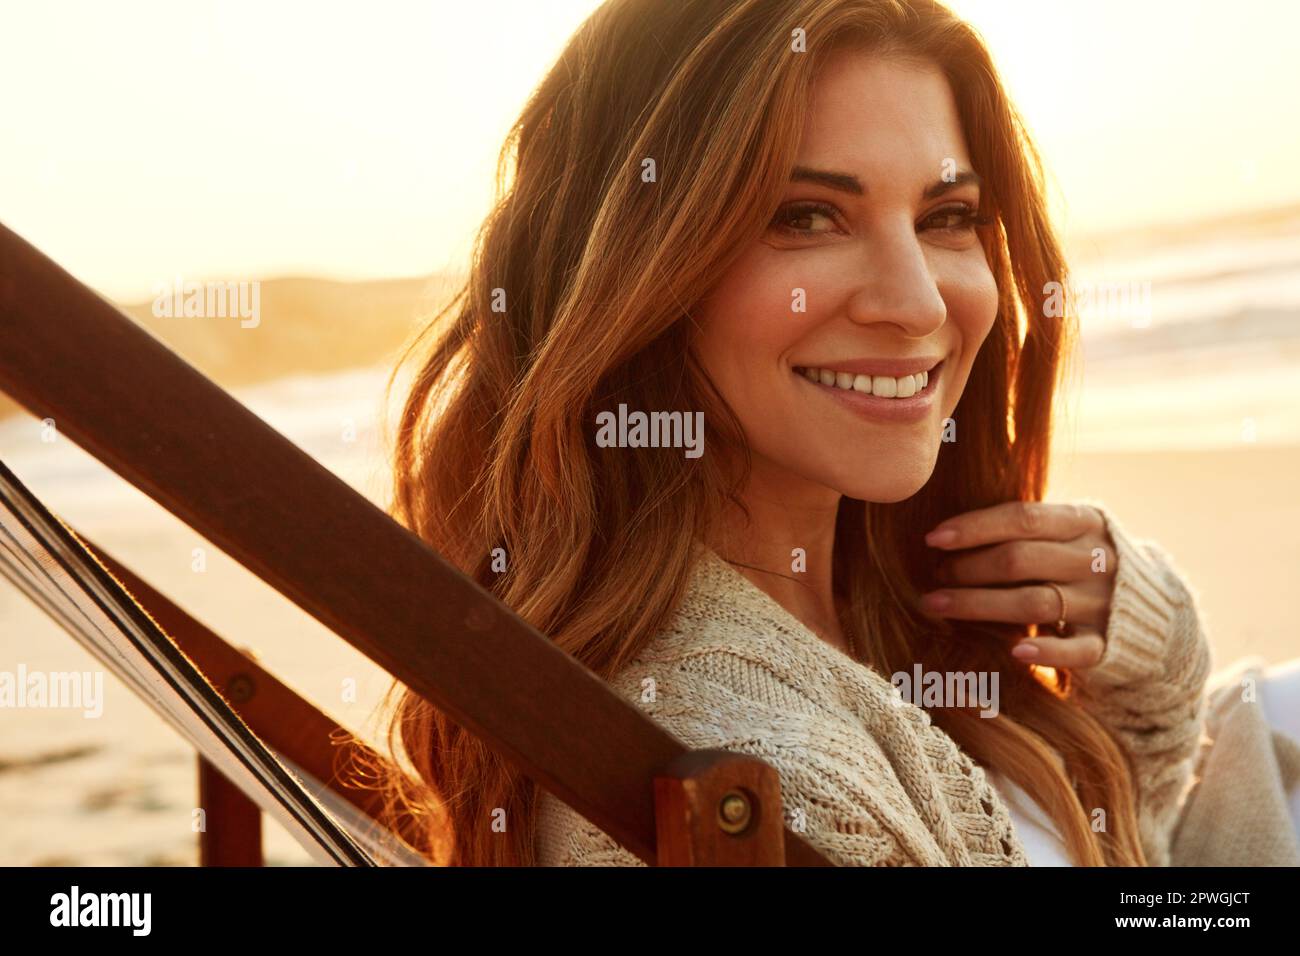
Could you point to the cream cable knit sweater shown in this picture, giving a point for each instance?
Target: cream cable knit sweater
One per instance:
(873, 781)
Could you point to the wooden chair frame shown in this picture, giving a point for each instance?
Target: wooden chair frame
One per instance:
(69, 355)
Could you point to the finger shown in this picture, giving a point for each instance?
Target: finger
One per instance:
(1032, 604)
(1016, 519)
(1013, 561)
(1078, 651)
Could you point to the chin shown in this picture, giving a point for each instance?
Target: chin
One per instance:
(884, 492)
(897, 482)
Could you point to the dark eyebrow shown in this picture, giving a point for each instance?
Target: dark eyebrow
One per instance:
(942, 186)
(846, 182)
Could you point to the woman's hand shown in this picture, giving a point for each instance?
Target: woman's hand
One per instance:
(1029, 544)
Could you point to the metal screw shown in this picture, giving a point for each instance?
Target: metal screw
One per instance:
(240, 688)
(734, 812)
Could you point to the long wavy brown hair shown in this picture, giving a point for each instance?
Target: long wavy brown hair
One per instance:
(580, 296)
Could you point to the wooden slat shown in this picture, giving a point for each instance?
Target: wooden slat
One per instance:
(232, 823)
(69, 355)
(717, 808)
(273, 710)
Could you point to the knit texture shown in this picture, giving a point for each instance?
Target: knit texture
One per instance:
(1238, 811)
(865, 775)
(1149, 687)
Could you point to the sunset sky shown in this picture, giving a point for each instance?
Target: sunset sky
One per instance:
(141, 140)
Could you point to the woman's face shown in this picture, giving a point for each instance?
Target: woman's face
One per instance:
(893, 282)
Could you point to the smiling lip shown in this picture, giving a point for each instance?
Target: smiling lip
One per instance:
(876, 407)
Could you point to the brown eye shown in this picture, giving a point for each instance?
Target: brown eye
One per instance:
(954, 218)
(804, 219)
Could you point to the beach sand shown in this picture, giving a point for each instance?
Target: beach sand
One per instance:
(1229, 518)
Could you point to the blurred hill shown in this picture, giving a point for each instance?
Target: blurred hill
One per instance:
(307, 325)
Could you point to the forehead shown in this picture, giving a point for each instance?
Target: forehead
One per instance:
(881, 116)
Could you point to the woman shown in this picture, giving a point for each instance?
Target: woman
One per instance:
(819, 224)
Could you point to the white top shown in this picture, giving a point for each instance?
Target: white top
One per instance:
(1038, 834)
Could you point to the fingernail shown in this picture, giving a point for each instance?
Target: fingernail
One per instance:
(1025, 651)
(935, 601)
(941, 536)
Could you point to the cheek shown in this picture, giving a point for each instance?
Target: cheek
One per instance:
(746, 325)
(971, 295)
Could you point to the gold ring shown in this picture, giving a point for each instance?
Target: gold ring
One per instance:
(1060, 594)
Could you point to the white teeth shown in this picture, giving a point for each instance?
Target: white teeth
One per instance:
(885, 386)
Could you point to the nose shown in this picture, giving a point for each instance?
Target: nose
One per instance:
(898, 286)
